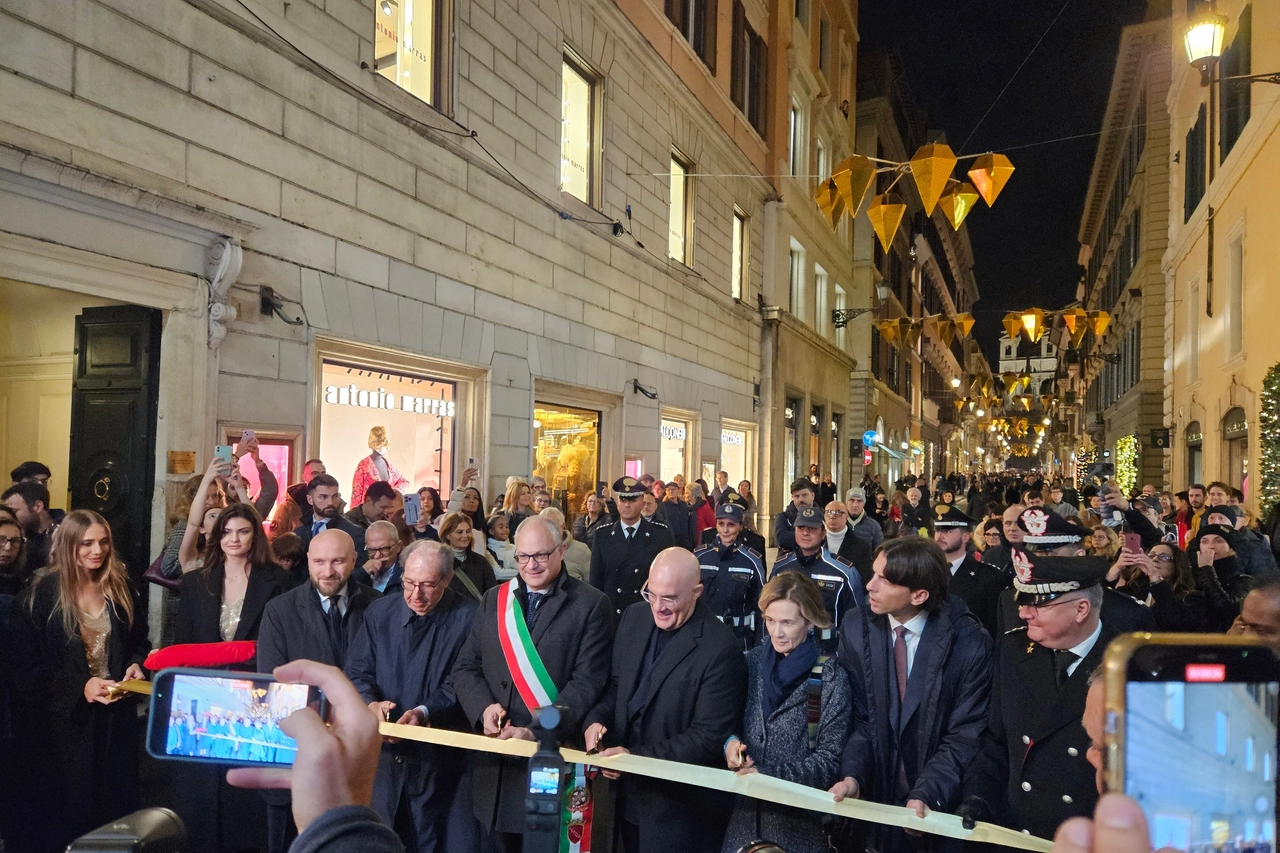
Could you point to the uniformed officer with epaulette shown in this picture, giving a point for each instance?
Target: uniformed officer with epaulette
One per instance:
(750, 538)
(837, 579)
(732, 576)
(972, 581)
(622, 551)
(1031, 772)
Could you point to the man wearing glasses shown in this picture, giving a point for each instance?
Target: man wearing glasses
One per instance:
(400, 662)
(381, 569)
(541, 638)
(622, 551)
(1032, 771)
(677, 693)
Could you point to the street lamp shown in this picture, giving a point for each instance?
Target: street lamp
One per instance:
(1202, 39)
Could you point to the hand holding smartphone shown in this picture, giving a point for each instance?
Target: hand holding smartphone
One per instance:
(412, 508)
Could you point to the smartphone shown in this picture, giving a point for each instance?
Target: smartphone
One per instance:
(1133, 543)
(247, 436)
(217, 717)
(471, 462)
(1190, 733)
(412, 508)
(223, 452)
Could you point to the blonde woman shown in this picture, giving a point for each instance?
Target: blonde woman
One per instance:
(83, 634)
(1103, 543)
(517, 505)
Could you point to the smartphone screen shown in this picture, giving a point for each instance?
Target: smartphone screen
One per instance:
(544, 780)
(224, 718)
(1200, 745)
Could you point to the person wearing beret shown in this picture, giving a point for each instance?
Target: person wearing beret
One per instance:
(622, 551)
(732, 576)
(837, 579)
(972, 581)
(1217, 572)
(1031, 771)
(1049, 534)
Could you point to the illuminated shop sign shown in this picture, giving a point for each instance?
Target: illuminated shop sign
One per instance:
(351, 395)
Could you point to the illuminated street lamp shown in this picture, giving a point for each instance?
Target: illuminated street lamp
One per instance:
(1202, 39)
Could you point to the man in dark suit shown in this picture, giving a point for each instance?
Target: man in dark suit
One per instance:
(315, 621)
(803, 492)
(622, 551)
(382, 568)
(975, 583)
(1032, 772)
(400, 663)
(324, 497)
(677, 691)
(843, 542)
(571, 632)
(919, 667)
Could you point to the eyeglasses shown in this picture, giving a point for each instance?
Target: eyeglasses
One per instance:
(386, 549)
(834, 513)
(991, 533)
(669, 600)
(15, 543)
(419, 587)
(1161, 558)
(1050, 604)
(541, 558)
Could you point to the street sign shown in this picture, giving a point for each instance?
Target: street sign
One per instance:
(866, 457)
(869, 438)
(1160, 437)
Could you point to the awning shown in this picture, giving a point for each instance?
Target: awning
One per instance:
(893, 453)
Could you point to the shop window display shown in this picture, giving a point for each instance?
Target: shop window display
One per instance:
(567, 454)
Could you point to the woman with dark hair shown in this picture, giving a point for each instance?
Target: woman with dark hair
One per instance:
(82, 634)
(432, 509)
(592, 514)
(1163, 579)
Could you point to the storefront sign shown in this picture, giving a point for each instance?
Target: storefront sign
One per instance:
(350, 395)
(1234, 425)
(675, 433)
(730, 437)
(1194, 435)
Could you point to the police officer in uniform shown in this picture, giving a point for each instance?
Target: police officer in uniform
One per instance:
(622, 551)
(1031, 772)
(973, 581)
(732, 576)
(750, 538)
(837, 579)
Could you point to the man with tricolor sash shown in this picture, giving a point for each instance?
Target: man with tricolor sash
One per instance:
(541, 638)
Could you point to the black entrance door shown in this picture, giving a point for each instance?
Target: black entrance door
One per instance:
(113, 425)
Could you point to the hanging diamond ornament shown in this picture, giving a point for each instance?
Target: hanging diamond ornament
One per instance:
(946, 332)
(1010, 380)
(964, 324)
(825, 194)
(1033, 324)
(931, 167)
(1098, 321)
(989, 174)
(1012, 324)
(957, 202)
(1076, 321)
(886, 212)
(852, 177)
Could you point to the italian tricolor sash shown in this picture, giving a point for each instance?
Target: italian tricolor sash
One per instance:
(535, 687)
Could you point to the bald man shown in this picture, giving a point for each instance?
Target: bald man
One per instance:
(677, 692)
(316, 621)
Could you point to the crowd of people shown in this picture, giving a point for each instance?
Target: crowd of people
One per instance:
(926, 643)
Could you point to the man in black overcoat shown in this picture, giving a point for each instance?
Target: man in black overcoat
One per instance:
(677, 690)
(400, 662)
(572, 630)
(972, 581)
(622, 551)
(301, 625)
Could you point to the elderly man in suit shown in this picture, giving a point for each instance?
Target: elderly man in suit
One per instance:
(315, 621)
(400, 662)
(677, 691)
(382, 567)
(324, 498)
(570, 631)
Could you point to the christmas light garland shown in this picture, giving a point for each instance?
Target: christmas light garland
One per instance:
(1127, 462)
(1269, 439)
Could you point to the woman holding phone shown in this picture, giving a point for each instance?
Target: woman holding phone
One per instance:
(82, 635)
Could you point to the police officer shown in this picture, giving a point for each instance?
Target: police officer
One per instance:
(749, 538)
(837, 579)
(1031, 771)
(974, 582)
(732, 576)
(622, 551)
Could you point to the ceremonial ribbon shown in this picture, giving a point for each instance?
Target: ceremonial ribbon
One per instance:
(532, 682)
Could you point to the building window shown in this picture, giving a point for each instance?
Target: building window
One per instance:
(795, 294)
(824, 45)
(696, 21)
(579, 132)
(1193, 158)
(1193, 334)
(1220, 732)
(738, 257)
(842, 304)
(797, 140)
(1235, 297)
(676, 436)
(823, 159)
(1237, 61)
(747, 80)
(802, 13)
(680, 243)
(405, 45)
(821, 311)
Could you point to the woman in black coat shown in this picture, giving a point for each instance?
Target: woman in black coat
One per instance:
(473, 573)
(81, 633)
(224, 601)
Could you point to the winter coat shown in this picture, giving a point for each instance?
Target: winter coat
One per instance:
(780, 747)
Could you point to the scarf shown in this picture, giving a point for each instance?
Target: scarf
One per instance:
(782, 675)
(460, 554)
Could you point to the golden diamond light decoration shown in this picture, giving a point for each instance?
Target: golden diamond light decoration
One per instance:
(964, 324)
(1012, 324)
(886, 212)
(1032, 324)
(1099, 321)
(957, 202)
(931, 167)
(852, 177)
(1075, 319)
(989, 174)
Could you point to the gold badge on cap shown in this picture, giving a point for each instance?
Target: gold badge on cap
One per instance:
(941, 510)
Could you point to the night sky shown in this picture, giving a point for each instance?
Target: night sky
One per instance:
(958, 54)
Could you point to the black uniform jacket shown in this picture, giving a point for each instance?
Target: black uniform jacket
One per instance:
(979, 586)
(695, 697)
(1119, 611)
(750, 538)
(573, 633)
(620, 568)
(1031, 767)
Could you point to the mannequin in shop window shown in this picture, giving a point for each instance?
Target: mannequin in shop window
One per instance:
(375, 467)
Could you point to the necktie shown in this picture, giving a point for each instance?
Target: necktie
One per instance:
(900, 659)
(631, 531)
(1062, 659)
(535, 599)
(335, 629)
(317, 526)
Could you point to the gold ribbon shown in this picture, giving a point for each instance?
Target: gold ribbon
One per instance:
(754, 785)
(137, 686)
